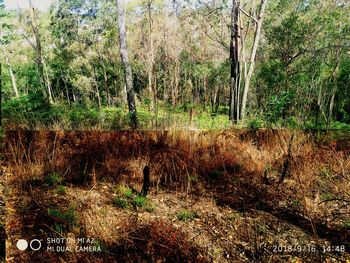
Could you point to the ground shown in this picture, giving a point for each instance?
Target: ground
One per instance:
(214, 197)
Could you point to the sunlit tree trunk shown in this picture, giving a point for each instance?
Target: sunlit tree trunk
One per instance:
(38, 50)
(121, 10)
(257, 37)
(13, 77)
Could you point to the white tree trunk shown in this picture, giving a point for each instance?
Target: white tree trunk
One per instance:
(257, 37)
(121, 10)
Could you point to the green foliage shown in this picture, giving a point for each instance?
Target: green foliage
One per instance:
(346, 224)
(233, 217)
(279, 107)
(302, 64)
(54, 179)
(255, 124)
(125, 191)
(186, 215)
(63, 220)
(296, 203)
(326, 196)
(139, 201)
(61, 189)
(120, 202)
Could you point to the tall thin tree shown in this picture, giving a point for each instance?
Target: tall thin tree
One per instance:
(257, 37)
(121, 10)
(39, 56)
(235, 72)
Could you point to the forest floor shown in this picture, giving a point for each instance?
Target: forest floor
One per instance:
(231, 196)
(2, 223)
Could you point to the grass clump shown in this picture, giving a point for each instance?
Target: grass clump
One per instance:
(127, 198)
(139, 201)
(63, 221)
(61, 189)
(346, 224)
(120, 202)
(54, 179)
(125, 191)
(186, 215)
(327, 196)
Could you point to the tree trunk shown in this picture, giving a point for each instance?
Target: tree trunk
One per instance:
(121, 10)
(0, 94)
(13, 77)
(97, 92)
(47, 80)
(257, 37)
(38, 51)
(234, 79)
(151, 85)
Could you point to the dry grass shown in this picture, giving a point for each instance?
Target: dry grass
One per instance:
(240, 169)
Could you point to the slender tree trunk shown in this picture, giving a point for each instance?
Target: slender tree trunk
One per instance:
(47, 80)
(38, 50)
(331, 103)
(97, 89)
(121, 10)
(257, 37)
(234, 79)
(0, 94)
(105, 82)
(13, 77)
(151, 80)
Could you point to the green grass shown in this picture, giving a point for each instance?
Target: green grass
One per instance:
(63, 221)
(54, 179)
(126, 198)
(326, 196)
(139, 201)
(186, 215)
(120, 202)
(61, 189)
(346, 224)
(125, 191)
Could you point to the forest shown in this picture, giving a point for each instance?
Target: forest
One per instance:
(181, 64)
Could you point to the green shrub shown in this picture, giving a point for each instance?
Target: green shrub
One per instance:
(255, 124)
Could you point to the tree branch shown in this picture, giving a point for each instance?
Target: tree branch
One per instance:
(30, 42)
(244, 12)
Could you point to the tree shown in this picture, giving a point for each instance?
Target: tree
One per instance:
(235, 67)
(257, 37)
(121, 10)
(46, 89)
(6, 38)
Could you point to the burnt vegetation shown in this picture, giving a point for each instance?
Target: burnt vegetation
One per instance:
(57, 178)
